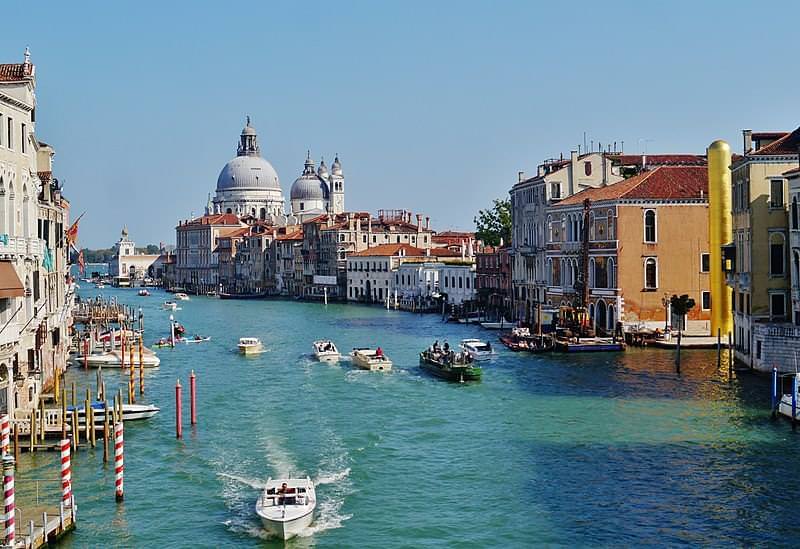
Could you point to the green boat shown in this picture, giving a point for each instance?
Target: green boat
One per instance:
(450, 365)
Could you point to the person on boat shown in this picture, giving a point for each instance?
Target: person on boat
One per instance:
(282, 492)
(378, 353)
(446, 347)
(436, 346)
(489, 346)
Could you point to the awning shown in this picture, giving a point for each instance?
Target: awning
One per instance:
(10, 284)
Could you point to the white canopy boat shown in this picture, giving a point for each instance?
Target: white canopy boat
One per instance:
(502, 324)
(250, 345)
(286, 506)
(114, 359)
(181, 296)
(371, 359)
(130, 412)
(169, 306)
(477, 349)
(325, 350)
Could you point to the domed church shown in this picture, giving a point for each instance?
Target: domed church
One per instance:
(318, 191)
(248, 184)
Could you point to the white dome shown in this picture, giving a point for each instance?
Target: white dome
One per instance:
(309, 187)
(248, 172)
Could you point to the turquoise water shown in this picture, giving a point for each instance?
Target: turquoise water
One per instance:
(587, 450)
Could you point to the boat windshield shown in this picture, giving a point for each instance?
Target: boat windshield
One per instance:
(285, 496)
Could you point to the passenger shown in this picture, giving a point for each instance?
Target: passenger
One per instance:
(446, 347)
(489, 346)
(379, 353)
(282, 491)
(436, 346)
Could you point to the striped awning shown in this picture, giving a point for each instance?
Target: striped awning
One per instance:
(10, 284)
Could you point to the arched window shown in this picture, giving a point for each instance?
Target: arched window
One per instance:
(3, 227)
(777, 254)
(549, 229)
(591, 225)
(229, 211)
(650, 232)
(612, 273)
(611, 229)
(26, 215)
(591, 272)
(650, 273)
(612, 321)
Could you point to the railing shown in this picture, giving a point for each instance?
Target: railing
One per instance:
(13, 245)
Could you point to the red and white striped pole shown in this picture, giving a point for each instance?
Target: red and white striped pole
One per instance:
(119, 464)
(8, 491)
(5, 434)
(178, 422)
(86, 353)
(66, 473)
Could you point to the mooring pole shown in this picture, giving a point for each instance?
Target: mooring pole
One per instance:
(178, 424)
(774, 392)
(719, 348)
(193, 397)
(119, 462)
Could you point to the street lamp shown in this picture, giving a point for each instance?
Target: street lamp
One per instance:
(665, 303)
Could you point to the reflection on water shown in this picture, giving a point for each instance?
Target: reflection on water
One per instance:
(605, 449)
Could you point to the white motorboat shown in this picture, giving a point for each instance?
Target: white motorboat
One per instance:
(785, 405)
(130, 412)
(169, 306)
(180, 296)
(144, 292)
(477, 349)
(250, 345)
(371, 359)
(99, 285)
(114, 359)
(502, 324)
(325, 350)
(286, 506)
(196, 339)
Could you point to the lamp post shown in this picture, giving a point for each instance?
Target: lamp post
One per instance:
(665, 303)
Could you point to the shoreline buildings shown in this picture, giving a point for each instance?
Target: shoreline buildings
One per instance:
(36, 294)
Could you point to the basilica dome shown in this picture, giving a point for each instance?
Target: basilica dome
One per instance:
(248, 172)
(309, 186)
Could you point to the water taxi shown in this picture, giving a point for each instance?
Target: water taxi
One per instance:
(114, 359)
(250, 345)
(144, 292)
(286, 506)
(325, 350)
(180, 296)
(477, 349)
(130, 412)
(371, 359)
(169, 306)
(449, 365)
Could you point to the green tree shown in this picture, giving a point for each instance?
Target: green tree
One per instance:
(152, 249)
(494, 224)
(681, 305)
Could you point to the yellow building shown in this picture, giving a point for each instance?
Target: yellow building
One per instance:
(760, 277)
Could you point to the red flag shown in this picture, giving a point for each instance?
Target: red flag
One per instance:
(72, 232)
(81, 263)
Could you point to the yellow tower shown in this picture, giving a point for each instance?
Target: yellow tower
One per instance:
(720, 232)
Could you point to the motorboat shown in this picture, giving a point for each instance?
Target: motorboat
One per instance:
(477, 349)
(250, 345)
(144, 292)
(99, 285)
(325, 350)
(501, 324)
(114, 359)
(130, 412)
(371, 359)
(169, 306)
(521, 339)
(196, 339)
(449, 365)
(286, 506)
(166, 342)
(180, 296)
(785, 404)
(472, 318)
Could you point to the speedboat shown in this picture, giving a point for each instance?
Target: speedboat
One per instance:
(99, 285)
(169, 306)
(144, 292)
(325, 350)
(477, 349)
(181, 296)
(250, 345)
(114, 359)
(130, 412)
(196, 339)
(371, 359)
(286, 506)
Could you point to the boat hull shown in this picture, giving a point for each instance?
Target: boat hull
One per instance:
(457, 374)
(287, 529)
(372, 365)
(250, 349)
(785, 407)
(328, 357)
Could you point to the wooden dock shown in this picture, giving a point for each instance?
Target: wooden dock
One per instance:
(44, 529)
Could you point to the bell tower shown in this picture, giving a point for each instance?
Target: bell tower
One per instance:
(336, 182)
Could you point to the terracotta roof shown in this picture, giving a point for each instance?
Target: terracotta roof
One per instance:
(660, 159)
(792, 172)
(214, 219)
(15, 72)
(662, 183)
(768, 135)
(295, 234)
(385, 250)
(788, 144)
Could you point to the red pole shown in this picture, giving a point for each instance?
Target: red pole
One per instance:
(119, 460)
(178, 426)
(193, 394)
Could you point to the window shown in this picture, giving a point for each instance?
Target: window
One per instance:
(587, 168)
(794, 213)
(776, 254)
(776, 193)
(706, 301)
(24, 139)
(555, 190)
(650, 226)
(705, 263)
(650, 273)
(777, 306)
(10, 140)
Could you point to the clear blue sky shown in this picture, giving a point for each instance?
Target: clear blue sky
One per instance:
(432, 106)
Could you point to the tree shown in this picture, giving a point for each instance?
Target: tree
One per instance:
(681, 305)
(152, 249)
(494, 224)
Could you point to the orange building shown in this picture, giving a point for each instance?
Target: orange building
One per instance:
(647, 239)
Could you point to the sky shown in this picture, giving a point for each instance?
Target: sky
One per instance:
(432, 106)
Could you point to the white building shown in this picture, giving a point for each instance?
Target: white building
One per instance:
(457, 282)
(421, 282)
(371, 273)
(127, 265)
(318, 192)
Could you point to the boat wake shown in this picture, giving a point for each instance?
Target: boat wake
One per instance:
(251, 482)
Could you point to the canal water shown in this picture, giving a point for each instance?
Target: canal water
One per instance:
(570, 450)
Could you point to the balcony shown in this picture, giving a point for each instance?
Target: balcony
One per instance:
(12, 246)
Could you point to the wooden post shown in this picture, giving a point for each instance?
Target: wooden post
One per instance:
(774, 392)
(16, 442)
(141, 365)
(33, 429)
(719, 348)
(86, 354)
(56, 382)
(130, 353)
(122, 348)
(76, 433)
(678, 355)
(87, 403)
(42, 422)
(178, 422)
(73, 394)
(106, 413)
(92, 430)
(730, 356)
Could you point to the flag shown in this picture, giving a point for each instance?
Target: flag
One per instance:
(47, 262)
(81, 263)
(72, 232)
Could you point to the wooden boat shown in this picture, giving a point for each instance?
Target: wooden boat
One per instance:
(169, 306)
(370, 359)
(325, 350)
(223, 295)
(144, 292)
(502, 324)
(521, 340)
(590, 345)
(250, 345)
(450, 365)
(286, 506)
(130, 412)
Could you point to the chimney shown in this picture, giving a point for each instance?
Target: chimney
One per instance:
(747, 135)
(520, 177)
(427, 223)
(540, 170)
(644, 162)
(419, 222)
